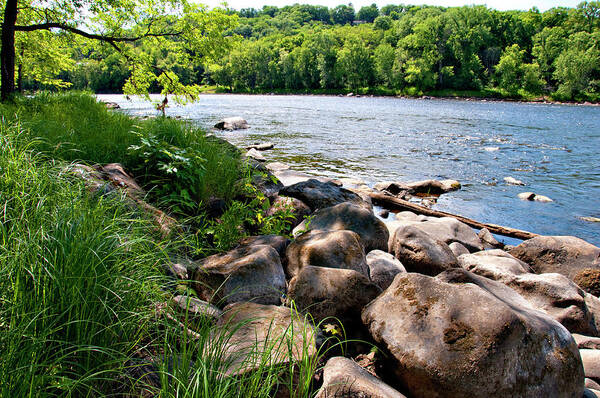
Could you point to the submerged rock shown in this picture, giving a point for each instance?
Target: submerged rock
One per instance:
(232, 123)
(534, 197)
(513, 181)
(434, 187)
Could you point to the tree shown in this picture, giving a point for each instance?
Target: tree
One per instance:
(368, 13)
(343, 14)
(187, 29)
(513, 73)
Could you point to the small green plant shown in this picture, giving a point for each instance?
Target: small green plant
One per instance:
(174, 173)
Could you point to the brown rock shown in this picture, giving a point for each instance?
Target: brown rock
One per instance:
(248, 273)
(295, 206)
(279, 243)
(264, 335)
(591, 363)
(335, 249)
(347, 216)
(566, 255)
(589, 280)
(592, 343)
(319, 195)
(420, 252)
(331, 292)
(458, 249)
(451, 337)
(342, 377)
(493, 264)
(383, 267)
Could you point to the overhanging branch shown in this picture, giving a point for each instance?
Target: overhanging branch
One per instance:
(110, 39)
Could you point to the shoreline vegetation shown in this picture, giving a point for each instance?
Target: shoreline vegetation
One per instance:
(468, 95)
(147, 257)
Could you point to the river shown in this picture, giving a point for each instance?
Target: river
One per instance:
(552, 148)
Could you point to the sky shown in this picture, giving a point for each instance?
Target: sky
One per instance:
(543, 5)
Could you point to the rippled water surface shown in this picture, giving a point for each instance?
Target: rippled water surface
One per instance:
(552, 148)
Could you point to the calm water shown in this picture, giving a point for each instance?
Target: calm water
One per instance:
(552, 148)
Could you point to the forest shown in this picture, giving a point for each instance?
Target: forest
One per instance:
(395, 50)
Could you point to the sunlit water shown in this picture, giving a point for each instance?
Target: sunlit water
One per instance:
(552, 148)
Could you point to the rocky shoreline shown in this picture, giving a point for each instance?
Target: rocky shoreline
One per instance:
(429, 307)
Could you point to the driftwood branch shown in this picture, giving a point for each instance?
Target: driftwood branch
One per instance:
(393, 203)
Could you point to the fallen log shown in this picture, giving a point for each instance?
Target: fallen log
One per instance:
(392, 203)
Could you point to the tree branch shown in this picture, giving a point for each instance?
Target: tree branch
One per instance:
(110, 39)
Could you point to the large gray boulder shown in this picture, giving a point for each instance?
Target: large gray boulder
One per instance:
(331, 292)
(566, 255)
(342, 377)
(347, 216)
(551, 293)
(256, 336)
(319, 195)
(461, 335)
(494, 264)
(333, 249)
(248, 273)
(446, 229)
(383, 267)
(420, 252)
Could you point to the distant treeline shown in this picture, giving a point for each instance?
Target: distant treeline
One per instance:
(397, 49)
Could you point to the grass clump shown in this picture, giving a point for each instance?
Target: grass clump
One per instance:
(78, 276)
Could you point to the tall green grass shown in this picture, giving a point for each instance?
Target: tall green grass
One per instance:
(78, 276)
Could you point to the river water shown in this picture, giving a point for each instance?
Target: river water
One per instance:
(552, 148)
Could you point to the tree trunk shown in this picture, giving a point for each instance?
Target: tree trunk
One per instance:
(7, 53)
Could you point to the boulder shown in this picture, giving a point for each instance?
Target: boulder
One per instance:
(460, 335)
(566, 255)
(333, 249)
(267, 184)
(342, 377)
(256, 155)
(292, 177)
(448, 230)
(534, 197)
(513, 181)
(319, 195)
(493, 264)
(297, 209)
(277, 166)
(197, 309)
(232, 123)
(397, 189)
(261, 147)
(458, 249)
(347, 216)
(591, 393)
(277, 242)
(433, 187)
(592, 343)
(559, 297)
(331, 292)
(591, 384)
(488, 240)
(589, 280)
(420, 252)
(591, 363)
(383, 267)
(256, 336)
(408, 216)
(116, 175)
(248, 273)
